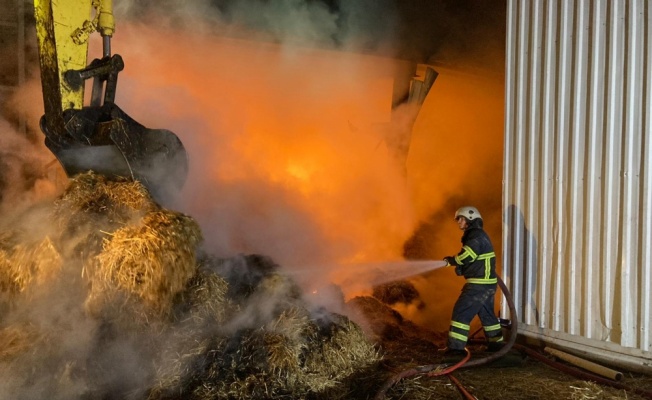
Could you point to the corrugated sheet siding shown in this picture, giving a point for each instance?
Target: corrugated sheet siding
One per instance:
(578, 173)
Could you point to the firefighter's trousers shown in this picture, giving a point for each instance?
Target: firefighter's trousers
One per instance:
(475, 299)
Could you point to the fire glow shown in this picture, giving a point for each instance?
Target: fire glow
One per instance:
(288, 153)
(287, 136)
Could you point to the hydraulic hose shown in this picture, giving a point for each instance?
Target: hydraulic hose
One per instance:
(444, 369)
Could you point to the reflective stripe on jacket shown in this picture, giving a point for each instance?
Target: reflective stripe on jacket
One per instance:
(477, 260)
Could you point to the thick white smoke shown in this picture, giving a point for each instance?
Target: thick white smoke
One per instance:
(279, 106)
(300, 180)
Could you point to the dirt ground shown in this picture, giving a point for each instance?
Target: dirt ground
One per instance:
(517, 375)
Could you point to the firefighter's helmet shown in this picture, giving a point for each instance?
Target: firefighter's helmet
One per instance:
(469, 212)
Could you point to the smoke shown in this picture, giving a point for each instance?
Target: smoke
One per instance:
(282, 107)
(284, 161)
(466, 169)
(28, 173)
(282, 133)
(285, 157)
(361, 26)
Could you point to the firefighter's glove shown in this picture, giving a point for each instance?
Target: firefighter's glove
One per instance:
(450, 261)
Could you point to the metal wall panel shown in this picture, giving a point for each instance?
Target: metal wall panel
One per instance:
(577, 187)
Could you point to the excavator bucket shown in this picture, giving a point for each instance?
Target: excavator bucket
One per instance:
(109, 142)
(100, 136)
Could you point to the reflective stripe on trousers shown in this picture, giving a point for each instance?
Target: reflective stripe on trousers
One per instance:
(474, 300)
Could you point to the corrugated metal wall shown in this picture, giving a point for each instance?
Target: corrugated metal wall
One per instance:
(577, 195)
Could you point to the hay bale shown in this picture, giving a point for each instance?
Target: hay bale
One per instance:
(21, 270)
(254, 364)
(280, 287)
(282, 355)
(214, 367)
(244, 273)
(246, 388)
(38, 262)
(92, 206)
(291, 356)
(341, 350)
(116, 197)
(256, 286)
(16, 340)
(183, 362)
(136, 255)
(204, 298)
(396, 292)
(45, 261)
(7, 283)
(150, 261)
(266, 362)
(378, 320)
(286, 341)
(386, 326)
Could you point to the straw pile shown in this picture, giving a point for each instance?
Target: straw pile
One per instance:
(292, 357)
(202, 328)
(386, 326)
(245, 274)
(236, 328)
(396, 292)
(16, 339)
(150, 261)
(26, 264)
(269, 345)
(382, 322)
(116, 199)
(92, 207)
(205, 299)
(341, 350)
(136, 255)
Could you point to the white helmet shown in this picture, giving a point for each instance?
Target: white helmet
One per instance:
(468, 212)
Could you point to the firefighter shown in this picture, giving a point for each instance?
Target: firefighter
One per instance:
(476, 261)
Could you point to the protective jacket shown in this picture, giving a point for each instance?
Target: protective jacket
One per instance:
(476, 261)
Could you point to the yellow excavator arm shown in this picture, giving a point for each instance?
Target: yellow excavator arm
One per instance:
(99, 136)
(56, 25)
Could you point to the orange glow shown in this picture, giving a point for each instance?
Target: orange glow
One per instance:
(289, 159)
(456, 159)
(286, 158)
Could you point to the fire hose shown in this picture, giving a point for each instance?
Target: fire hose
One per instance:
(432, 370)
(465, 393)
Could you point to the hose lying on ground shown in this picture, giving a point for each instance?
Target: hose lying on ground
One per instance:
(428, 369)
(465, 393)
